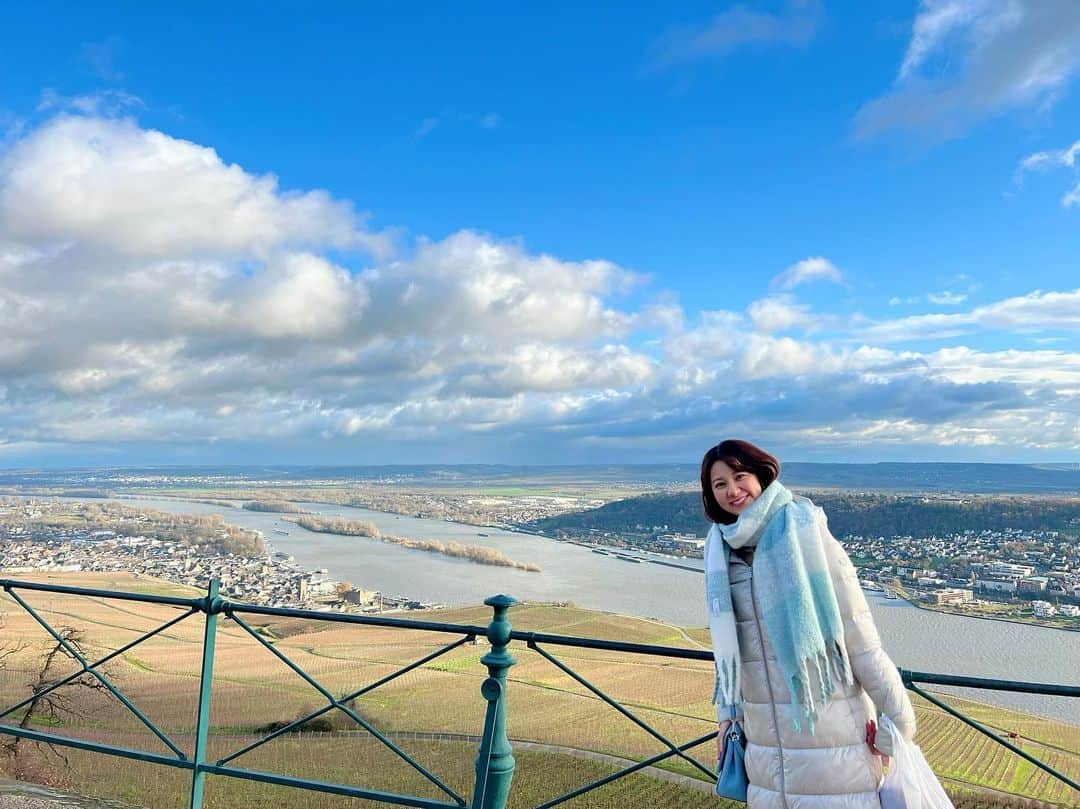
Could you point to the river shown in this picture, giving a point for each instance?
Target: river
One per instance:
(915, 639)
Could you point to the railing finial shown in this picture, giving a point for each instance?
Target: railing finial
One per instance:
(495, 761)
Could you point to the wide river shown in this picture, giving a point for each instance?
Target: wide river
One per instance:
(915, 639)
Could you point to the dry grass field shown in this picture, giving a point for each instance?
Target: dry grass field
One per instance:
(546, 706)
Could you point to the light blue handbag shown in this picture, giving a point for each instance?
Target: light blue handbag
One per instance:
(731, 780)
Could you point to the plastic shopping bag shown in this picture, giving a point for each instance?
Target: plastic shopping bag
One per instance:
(909, 782)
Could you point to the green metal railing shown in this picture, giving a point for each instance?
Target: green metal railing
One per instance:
(494, 761)
(495, 765)
(912, 678)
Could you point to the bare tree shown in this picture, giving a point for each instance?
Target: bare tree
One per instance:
(56, 706)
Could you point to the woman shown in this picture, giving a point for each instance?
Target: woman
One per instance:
(798, 660)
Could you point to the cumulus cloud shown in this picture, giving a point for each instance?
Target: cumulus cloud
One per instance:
(778, 313)
(736, 27)
(968, 60)
(815, 268)
(223, 311)
(114, 185)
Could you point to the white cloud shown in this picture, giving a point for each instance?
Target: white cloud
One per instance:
(182, 335)
(113, 185)
(968, 60)
(1058, 158)
(946, 298)
(736, 27)
(779, 313)
(784, 357)
(302, 296)
(1034, 312)
(109, 103)
(815, 268)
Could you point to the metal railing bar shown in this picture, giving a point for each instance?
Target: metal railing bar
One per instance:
(100, 662)
(101, 678)
(175, 601)
(639, 722)
(612, 645)
(629, 770)
(231, 607)
(986, 731)
(323, 786)
(1045, 689)
(350, 712)
(97, 747)
(348, 698)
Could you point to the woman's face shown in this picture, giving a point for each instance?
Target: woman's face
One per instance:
(734, 491)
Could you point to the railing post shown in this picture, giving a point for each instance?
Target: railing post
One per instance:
(202, 726)
(495, 761)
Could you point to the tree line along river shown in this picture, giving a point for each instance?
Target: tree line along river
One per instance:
(915, 639)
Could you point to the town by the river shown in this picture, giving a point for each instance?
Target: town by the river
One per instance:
(916, 639)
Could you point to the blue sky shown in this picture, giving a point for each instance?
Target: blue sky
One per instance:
(392, 232)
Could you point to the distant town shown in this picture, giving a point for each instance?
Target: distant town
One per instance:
(32, 542)
(992, 566)
(1003, 572)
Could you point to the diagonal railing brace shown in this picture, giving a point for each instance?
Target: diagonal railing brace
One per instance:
(633, 768)
(336, 703)
(986, 731)
(639, 722)
(96, 663)
(346, 699)
(71, 650)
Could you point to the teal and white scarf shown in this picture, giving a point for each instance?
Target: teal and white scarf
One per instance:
(794, 598)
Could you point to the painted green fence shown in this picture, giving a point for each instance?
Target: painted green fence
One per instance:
(494, 760)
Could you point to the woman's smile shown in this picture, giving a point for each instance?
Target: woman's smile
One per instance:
(734, 489)
(740, 501)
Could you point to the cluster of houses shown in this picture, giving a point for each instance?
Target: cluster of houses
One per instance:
(1045, 567)
(272, 580)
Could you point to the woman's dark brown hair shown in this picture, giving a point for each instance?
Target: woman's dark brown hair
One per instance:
(741, 456)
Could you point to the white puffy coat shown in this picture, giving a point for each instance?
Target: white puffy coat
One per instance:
(834, 768)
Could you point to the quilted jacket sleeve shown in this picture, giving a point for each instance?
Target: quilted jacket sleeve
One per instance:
(869, 663)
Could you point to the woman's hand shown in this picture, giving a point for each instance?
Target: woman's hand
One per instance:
(871, 737)
(721, 739)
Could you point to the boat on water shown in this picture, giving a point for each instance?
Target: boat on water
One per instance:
(598, 550)
(891, 594)
(281, 531)
(480, 535)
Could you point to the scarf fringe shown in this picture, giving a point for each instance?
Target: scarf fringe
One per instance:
(831, 668)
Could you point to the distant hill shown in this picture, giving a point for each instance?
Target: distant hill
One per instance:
(985, 478)
(899, 477)
(849, 513)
